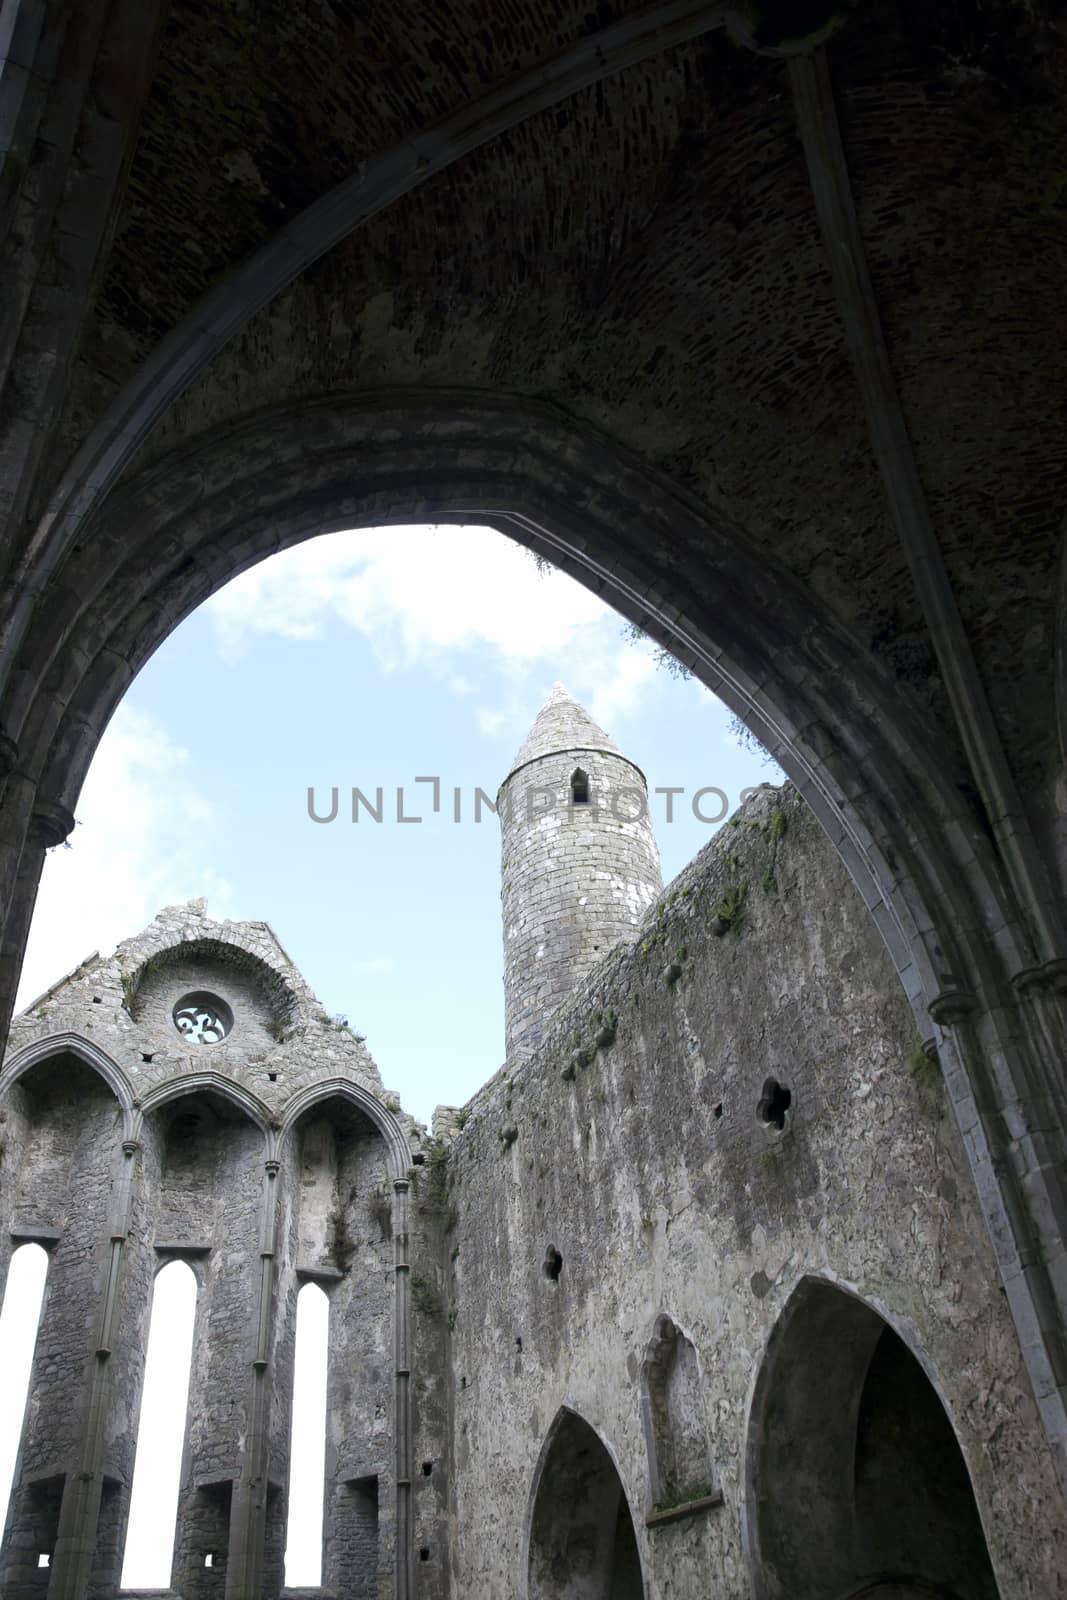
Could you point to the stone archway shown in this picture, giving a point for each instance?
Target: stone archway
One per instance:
(582, 1540)
(857, 1485)
(892, 801)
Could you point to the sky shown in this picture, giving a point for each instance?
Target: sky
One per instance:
(366, 659)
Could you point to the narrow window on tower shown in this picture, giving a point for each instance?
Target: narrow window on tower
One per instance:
(307, 1452)
(579, 787)
(18, 1336)
(149, 1552)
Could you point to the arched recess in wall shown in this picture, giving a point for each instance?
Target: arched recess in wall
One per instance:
(674, 1421)
(204, 1149)
(857, 1486)
(149, 1550)
(79, 1048)
(60, 1166)
(340, 1151)
(582, 1544)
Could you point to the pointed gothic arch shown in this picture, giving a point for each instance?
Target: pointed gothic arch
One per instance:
(379, 1115)
(672, 1414)
(857, 1484)
(209, 1083)
(581, 1542)
(84, 1050)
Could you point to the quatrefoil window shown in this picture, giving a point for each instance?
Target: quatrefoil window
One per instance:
(203, 1018)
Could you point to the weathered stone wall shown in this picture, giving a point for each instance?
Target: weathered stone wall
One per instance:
(216, 1141)
(631, 1225)
(630, 1145)
(338, 1233)
(62, 1185)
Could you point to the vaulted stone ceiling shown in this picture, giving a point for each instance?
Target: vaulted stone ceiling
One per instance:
(647, 256)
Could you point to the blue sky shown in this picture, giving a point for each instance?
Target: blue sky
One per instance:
(367, 659)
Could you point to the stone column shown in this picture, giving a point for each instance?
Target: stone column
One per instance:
(248, 1512)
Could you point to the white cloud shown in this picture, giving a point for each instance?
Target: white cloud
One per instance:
(423, 595)
(373, 966)
(414, 592)
(140, 844)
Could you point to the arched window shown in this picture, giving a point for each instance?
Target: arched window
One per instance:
(149, 1552)
(579, 787)
(672, 1407)
(307, 1454)
(18, 1337)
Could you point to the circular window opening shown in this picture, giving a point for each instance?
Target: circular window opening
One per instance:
(203, 1018)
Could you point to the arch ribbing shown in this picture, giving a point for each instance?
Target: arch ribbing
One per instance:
(208, 1083)
(382, 1118)
(56, 1044)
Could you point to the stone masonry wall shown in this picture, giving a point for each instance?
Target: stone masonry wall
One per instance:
(206, 1148)
(630, 1143)
(575, 879)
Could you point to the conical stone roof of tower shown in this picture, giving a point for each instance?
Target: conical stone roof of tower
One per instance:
(560, 725)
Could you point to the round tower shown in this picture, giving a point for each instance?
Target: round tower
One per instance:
(579, 861)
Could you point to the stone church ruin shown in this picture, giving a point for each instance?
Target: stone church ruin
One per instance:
(626, 1325)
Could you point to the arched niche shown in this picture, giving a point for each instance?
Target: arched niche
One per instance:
(210, 1150)
(63, 1134)
(674, 1420)
(582, 1542)
(204, 1153)
(340, 1189)
(858, 1489)
(336, 1234)
(254, 1001)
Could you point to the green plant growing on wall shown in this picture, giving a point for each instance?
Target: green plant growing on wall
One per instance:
(925, 1064)
(381, 1211)
(685, 1495)
(730, 909)
(431, 1186)
(425, 1296)
(768, 882)
(779, 824)
(340, 1243)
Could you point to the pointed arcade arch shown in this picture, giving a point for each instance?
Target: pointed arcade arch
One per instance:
(71, 1044)
(582, 1543)
(857, 1487)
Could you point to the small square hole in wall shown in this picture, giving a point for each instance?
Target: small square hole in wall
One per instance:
(96, 1000)
(427, 1468)
(209, 1559)
(424, 1553)
(44, 1559)
(273, 1076)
